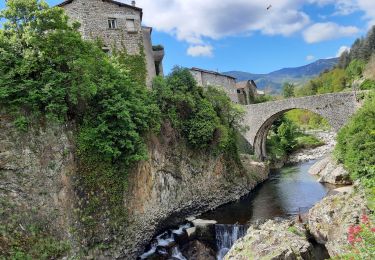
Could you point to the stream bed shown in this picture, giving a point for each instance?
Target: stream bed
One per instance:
(288, 192)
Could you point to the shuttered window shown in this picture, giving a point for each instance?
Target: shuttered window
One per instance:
(130, 25)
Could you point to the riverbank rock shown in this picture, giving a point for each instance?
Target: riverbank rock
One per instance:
(273, 240)
(312, 154)
(330, 172)
(330, 219)
(196, 250)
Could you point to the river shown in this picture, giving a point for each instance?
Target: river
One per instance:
(289, 191)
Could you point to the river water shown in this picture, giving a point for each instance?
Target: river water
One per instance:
(289, 191)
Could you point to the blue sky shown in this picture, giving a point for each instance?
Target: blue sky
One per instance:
(243, 35)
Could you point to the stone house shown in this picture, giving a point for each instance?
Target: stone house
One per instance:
(119, 26)
(207, 78)
(247, 92)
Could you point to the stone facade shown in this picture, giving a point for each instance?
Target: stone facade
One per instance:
(206, 78)
(335, 107)
(118, 25)
(247, 92)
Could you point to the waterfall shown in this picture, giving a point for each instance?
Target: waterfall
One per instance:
(226, 235)
(161, 244)
(176, 253)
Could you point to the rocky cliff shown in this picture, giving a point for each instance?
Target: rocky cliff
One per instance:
(39, 184)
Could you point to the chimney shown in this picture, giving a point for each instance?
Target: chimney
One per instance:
(133, 3)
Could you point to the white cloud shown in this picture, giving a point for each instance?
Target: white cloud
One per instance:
(368, 6)
(200, 50)
(346, 7)
(310, 58)
(341, 50)
(319, 32)
(197, 21)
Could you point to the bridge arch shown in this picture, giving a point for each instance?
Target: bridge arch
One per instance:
(336, 108)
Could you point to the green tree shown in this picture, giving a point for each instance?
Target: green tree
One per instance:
(344, 60)
(288, 90)
(356, 142)
(47, 69)
(355, 69)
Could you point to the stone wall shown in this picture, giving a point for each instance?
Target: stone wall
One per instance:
(228, 84)
(335, 107)
(149, 55)
(93, 16)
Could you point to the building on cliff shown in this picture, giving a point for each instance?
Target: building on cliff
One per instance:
(244, 92)
(119, 26)
(247, 92)
(207, 78)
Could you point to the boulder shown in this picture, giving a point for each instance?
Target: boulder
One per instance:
(205, 231)
(196, 250)
(191, 232)
(330, 219)
(273, 240)
(330, 172)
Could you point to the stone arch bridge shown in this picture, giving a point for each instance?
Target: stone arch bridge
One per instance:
(336, 108)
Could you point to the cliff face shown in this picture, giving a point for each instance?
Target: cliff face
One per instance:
(177, 182)
(38, 179)
(35, 182)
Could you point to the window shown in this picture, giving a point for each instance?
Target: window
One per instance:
(130, 25)
(112, 23)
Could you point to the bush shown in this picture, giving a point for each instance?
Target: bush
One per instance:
(46, 69)
(158, 47)
(362, 240)
(356, 142)
(367, 84)
(205, 118)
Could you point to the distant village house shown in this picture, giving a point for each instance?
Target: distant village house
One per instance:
(243, 93)
(119, 26)
(207, 78)
(247, 92)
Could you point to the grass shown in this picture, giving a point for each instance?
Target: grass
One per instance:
(305, 141)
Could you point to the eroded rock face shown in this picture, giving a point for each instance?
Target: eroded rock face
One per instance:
(330, 219)
(38, 172)
(330, 172)
(177, 182)
(273, 240)
(196, 250)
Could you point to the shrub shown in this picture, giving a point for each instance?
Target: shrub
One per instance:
(206, 118)
(362, 240)
(367, 84)
(158, 47)
(356, 141)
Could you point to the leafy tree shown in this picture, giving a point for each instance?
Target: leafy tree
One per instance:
(288, 90)
(206, 118)
(356, 142)
(47, 69)
(355, 69)
(344, 60)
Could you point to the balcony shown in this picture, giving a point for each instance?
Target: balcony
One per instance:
(158, 52)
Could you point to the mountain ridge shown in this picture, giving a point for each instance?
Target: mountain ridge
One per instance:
(297, 75)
